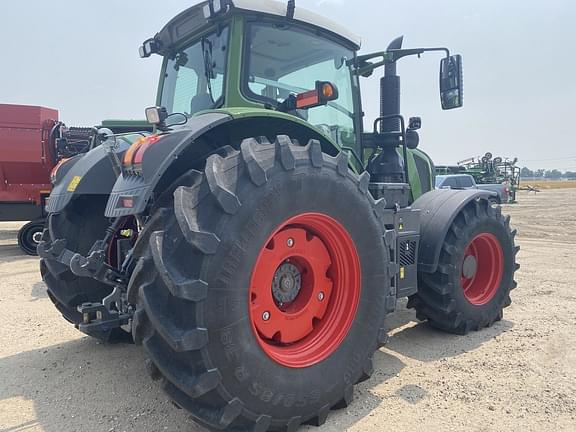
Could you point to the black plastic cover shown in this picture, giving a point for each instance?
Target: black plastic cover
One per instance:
(90, 174)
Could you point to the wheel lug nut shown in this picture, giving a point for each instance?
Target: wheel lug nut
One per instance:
(290, 242)
(320, 296)
(266, 316)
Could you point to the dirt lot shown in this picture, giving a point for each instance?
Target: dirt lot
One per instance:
(519, 375)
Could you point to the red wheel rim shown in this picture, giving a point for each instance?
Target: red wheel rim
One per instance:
(482, 269)
(305, 289)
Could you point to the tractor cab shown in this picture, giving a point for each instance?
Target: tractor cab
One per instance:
(236, 54)
(246, 56)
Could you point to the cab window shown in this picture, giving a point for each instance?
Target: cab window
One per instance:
(194, 76)
(284, 60)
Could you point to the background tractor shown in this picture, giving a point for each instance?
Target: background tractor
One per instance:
(254, 244)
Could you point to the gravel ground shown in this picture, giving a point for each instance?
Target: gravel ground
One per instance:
(519, 375)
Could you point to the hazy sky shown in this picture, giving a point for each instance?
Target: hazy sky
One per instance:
(520, 73)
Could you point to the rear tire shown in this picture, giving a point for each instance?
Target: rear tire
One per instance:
(29, 237)
(194, 289)
(475, 274)
(81, 223)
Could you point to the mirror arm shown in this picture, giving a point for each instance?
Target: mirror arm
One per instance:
(364, 67)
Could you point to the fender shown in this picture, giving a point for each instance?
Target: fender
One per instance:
(89, 174)
(438, 209)
(187, 147)
(139, 187)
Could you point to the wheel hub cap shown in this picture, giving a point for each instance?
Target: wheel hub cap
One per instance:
(37, 237)
(469, 267)
(286, 284)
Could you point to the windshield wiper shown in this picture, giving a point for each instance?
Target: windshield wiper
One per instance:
(208, 66)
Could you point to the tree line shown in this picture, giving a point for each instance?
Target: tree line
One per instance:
(553, 174)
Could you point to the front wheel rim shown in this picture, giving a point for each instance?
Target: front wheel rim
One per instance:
(481, 282)
(304, 290)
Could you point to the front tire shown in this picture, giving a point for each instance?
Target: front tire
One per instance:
(475, 274)
(200, 285)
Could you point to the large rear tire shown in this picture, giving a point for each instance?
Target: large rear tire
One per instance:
(221, 270)
(81, 223)
(475, 275)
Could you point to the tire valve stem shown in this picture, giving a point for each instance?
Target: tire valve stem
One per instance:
(290, 242)
(266, 316)
(320, 296)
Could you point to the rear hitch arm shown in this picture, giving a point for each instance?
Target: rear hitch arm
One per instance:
(56, 250)
(94, 266)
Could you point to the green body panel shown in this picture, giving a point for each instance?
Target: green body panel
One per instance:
(126, 126)
(143, 124)
(233, 97)
(413, 171)
(242, 113)
(414, 177)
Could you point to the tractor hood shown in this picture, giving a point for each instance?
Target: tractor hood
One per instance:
(199, 17)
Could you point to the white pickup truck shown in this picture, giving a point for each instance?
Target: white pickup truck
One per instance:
(466, 181)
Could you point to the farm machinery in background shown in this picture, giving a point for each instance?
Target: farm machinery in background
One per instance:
(488, 170)
(33, 145)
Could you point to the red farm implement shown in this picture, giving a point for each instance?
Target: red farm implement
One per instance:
(26, 160)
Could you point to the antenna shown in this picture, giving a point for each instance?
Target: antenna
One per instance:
(291, 9)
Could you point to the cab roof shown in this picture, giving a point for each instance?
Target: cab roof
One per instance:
(277, 8)
(194, 20)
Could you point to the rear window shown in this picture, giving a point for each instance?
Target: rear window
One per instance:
(465, 182)
(449, 182)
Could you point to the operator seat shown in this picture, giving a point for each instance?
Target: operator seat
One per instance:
(201, 102)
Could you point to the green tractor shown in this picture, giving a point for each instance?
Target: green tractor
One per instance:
(256, 241)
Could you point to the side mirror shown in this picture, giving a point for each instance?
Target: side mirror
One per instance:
(451, 82)
(176, 119)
